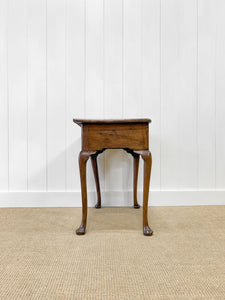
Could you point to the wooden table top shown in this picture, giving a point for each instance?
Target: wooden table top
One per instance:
(107, 121)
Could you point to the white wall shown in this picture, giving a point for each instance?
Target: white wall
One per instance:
(65, 59)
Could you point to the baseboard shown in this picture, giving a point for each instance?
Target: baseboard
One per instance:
(111, 198)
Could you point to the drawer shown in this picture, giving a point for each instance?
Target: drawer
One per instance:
(115, 136)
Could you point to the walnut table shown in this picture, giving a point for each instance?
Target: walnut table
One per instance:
(130, 135)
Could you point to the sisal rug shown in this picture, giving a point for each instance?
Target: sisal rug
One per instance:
(42, 258)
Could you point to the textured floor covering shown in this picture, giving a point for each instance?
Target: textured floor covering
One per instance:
(42, 258)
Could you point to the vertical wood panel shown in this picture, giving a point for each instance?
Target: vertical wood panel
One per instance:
(179, 58)
(113, 90)
(17, 93)
(56, 116)
(220, 95)
(75, 64)
(94, 105)
(132, 75)
(151, 81)
(3, 99)
(132, 59)
(113, 59)
(169, 97)
(94, 102)
(65, 59)
(36, 95)
(206, 94)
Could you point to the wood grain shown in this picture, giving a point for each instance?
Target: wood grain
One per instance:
(98, 136)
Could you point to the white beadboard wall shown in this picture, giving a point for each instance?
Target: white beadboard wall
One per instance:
(65, 59)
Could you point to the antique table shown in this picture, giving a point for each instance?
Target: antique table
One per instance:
(132, 136)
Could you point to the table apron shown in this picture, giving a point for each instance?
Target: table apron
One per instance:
(98, 136)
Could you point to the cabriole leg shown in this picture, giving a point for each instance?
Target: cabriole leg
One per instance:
(147, 157)
(83, 158)
(95, 170)
(136, 166)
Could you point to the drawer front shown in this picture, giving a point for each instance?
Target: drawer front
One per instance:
(98, 136)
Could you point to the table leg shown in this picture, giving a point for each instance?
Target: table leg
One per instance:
(135, 176)
(136, 165)
(147, 157)
(83, 158)
(95, 170)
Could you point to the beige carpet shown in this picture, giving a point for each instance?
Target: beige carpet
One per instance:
(42, 258)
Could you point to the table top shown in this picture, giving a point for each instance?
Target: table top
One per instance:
(108, 121)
